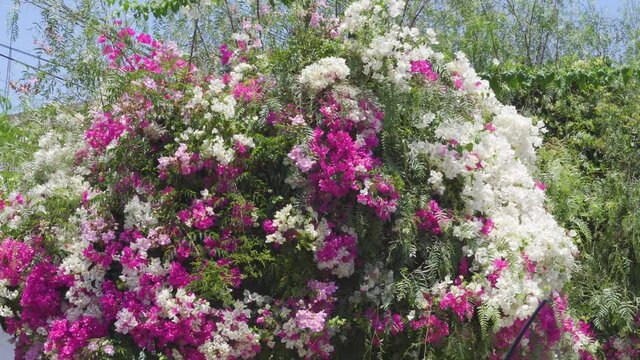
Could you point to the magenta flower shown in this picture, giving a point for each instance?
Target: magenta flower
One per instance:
(425, 68)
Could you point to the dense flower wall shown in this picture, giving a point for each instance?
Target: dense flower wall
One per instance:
(380, 199)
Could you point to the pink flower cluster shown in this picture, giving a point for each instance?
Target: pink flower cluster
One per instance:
(186, 163)
(383, 323)
(340, 167)
(430, 219)
(225, 54)
(301, 159)
(342, 149)
(290, 115)
(304, 321)
(552, 323)
(201, 214)
(106, 129)
(15, 260)
(378, 194)
(459, 300)
(435, 329)
(162, 58)
(627, 347)
(183, 161)
(425, 68)
(336, 252)
(66, 337)
(248, 91)
(498, 266)
(42, 296)
(313, 321)
(101, 235)
(487, 226)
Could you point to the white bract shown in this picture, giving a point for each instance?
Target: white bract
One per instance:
(323, 73)
(492, 150)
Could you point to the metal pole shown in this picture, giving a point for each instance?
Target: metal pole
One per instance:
(512, 350)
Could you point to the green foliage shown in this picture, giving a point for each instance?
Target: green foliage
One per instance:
(530, 32)
(157, 8)
(16, 145)
(211, 284)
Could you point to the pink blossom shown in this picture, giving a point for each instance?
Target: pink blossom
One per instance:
(498, 266)
(313, 321)
(458, 301)
(41, 298)
(429, 219)
(144, 38)
(315, 20)
(301, 159)
(249, 91)
(436, 329)
(425, 68)
(66, 338)
(105, 130)
(15, 260)
(487, 226)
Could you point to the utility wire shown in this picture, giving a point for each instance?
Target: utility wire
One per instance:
(9, 58)
(25, 53)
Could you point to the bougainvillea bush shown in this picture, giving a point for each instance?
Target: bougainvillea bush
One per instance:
(350, 194)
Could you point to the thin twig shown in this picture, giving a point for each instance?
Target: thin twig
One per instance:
(193, 45)
(415, 18)
(233, 27)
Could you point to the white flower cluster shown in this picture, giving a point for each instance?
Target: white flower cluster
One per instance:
(233, 338)
(12, 214)
(323, 73)
(287, 219)
(131, 276)
(491, 149)
(388, 56)
(377, 285)
(213, 100)
(181, 305)
(59, 183)
(465, 78)
(425, 120)
(436, 181)
(368, 13)
(125, 321)
(53, 149)
(502, 190)
(6, 294)
(393, 51)
(238, 73)
(498, 184)
(50, 171)
(88, 276)
(139, 213)
(215, 149)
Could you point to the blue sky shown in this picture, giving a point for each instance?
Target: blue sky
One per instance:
(610, 6)
(29, 15)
